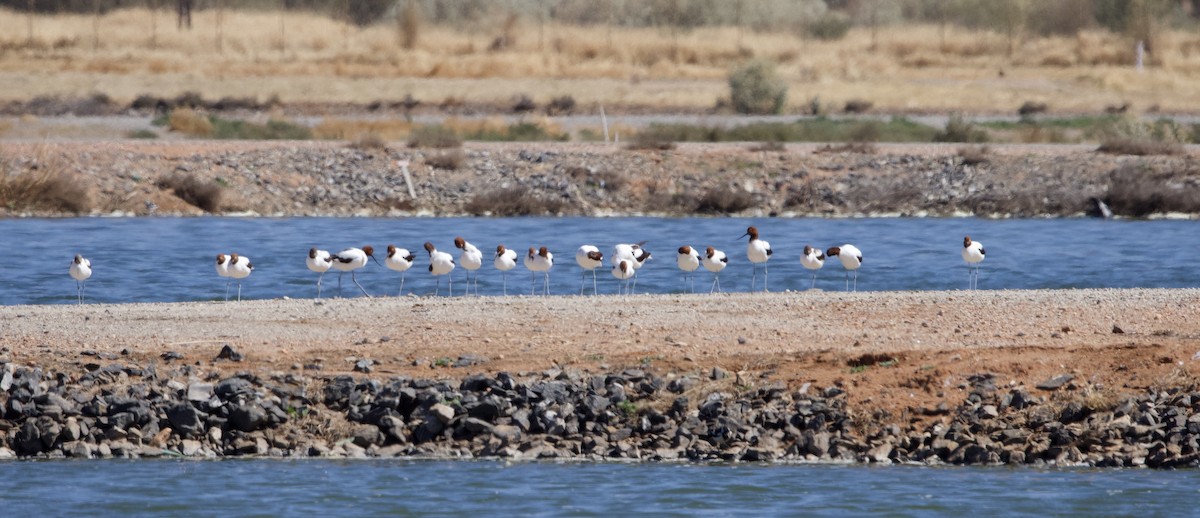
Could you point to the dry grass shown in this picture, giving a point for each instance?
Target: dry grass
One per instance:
(448, 159)
(1136, 190)
(513, 201)
(43, 183)
(352, 129)
(190, 122)
(1140, 147)
(206, 195)
(910, 67)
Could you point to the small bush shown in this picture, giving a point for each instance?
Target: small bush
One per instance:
(46, 185)
(523, 104)
(755, 88)
(561, 105)
(434, 136)
(724, 200)
(513, 201)
(142, 134)
(650, 139)
(859, 147)
(189, 122)
(274, 129)
(1030, 108)
(1138, 191)
(831, 26)
(369, 141)
(207, 196)
(959, 130)
(769, 146)
(974, 155)
(858, 106)
(516, 132)
(450, 159)
(1140, 147)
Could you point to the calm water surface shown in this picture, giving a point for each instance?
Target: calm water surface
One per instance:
(171, 259)
(411, 488)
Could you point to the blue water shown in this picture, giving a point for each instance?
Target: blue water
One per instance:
(441, 488)
(171, 259)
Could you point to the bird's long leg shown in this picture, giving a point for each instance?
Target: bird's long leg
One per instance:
(79, 292)
(753, 276)
(355, 279)
(532, 282)
(450, 284)
(340, 275)
(634, 279)
(504, 281)
(239, 291)
(765, 279)
(716, 283)
(856, 280)
(319, 277)
(582, 277)
(594, 290)
(401, 294)
(546, 286)
(814, 282)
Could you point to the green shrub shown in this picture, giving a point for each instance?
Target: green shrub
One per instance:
(831, 26)
(755, 88)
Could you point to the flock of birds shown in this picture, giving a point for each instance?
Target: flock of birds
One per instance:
(626, 260)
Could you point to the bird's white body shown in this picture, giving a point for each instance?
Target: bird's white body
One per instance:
(714, 261)
(973, 253)
(440, 263)
(759, 252)
(624, 271)
(222, 265)
(539, 260)
(81, 270)
(851, 258)
(504, 261)
(688, 260)
(399, 260)
(812, 260)
(589, 258)
(352, 259)
(240, 266)
(318, 261)
(471, 259)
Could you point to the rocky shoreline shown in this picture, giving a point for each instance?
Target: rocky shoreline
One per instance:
(112, 407)
(587, 179)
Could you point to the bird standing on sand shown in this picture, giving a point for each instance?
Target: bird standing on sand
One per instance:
(539, 260)
(81, 270)
(589, 258)
(471, 260)
(352, 259)
(851, 258)
(812, 260)
(715, 261)
(688, 260)
(973, 254)
(318, 261)
(440, 263)
(399, 260)
(758, 251)
(635, 254)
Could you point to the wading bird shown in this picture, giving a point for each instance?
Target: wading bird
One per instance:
(688, 260)
(589, 258)
(812, 260)
(715, 261)
(318, 261)
(539, 260)
(973, 254)
(81, 270)
(851, 259)
(440, 263)
(505, 260)
(399, 260)
(758, 251)
(352, 259)
(471, 260)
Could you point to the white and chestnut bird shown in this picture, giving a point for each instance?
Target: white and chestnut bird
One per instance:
(350, 260)
(81, 271)
(320, 262)
(589, 258)
(973, 253)
(223, 272)
(759, 252)
(635, 254)
(623, 271)
(539, 260)
(239, 268)
(399, 260)
(504, 261)
(471, 260)
(812, 260)
(851, 258)
(440, 263)
(715, 261)
(688, 260)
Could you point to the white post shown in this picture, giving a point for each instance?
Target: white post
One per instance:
(604, 122)
(1141, 54)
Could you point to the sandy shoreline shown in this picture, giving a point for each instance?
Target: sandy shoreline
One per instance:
(1043, 377)
(795, 338)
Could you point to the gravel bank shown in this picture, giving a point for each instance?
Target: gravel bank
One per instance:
(1098, 377)
(323, 178)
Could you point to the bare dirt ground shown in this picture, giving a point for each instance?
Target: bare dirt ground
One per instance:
(897, 352)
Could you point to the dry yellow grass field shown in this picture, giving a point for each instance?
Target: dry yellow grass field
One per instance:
(303, 57)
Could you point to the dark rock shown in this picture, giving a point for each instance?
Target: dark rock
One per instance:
(229, 353)
(231, 388)
(171, 355)
(248, 417)
(470, 360)
(1056, 382)
(185, 419)
(363, 365)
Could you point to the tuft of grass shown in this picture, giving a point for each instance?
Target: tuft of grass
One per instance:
(1140, 147)
(858, 106)
(831, 26)
(768, 146)
(274, 129)
(651, 139)
(189, 122)
(448, 159)
(516, 132)
(369, 142)
(207, 196)
(562, 105)
(513, 201)
(627, 407)
(817, 129)
(434, 136)
(974, 155)
(755, 88)
(724, 200)
(142, 134)
(45, 184)
(959, 130)
(1138, 191)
